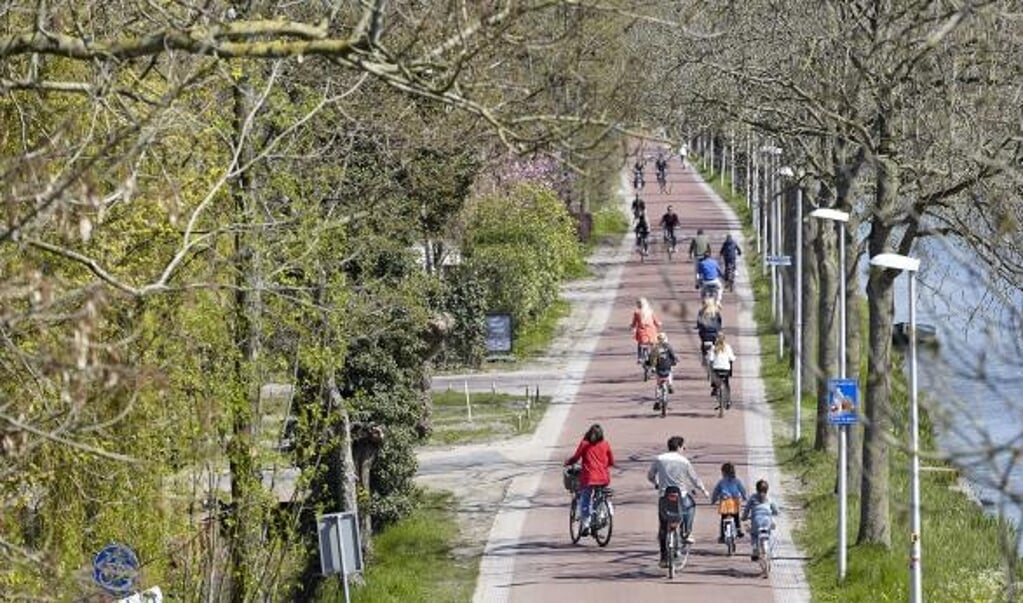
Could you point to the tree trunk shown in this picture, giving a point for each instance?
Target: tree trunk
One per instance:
(788, 273)
(875, 524)
(825, 252)
(245, 484)
(811, 310)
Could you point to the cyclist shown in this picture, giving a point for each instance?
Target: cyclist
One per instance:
(597, 460)
(644, 326)
(669, 222)
(730, 251)
(637, 174)
(708, 275)
(662, 170)
(730, 493)
(642, 230)
(671, 468)
(708, 324)
(698, 247)
(683, 153)
(638, 208)
(721, 358)
(760, 511)
(662, 359)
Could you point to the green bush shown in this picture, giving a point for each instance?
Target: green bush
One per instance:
(522, 245)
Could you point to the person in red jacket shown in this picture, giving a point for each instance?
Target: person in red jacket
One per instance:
(644, 328)
(597, 460)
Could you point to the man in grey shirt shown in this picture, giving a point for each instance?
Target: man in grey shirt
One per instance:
(698, 248)
(671, 468)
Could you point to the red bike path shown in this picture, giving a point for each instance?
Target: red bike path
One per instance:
(547, 566)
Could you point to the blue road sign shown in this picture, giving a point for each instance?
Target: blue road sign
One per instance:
(843, 401)
(116, 568)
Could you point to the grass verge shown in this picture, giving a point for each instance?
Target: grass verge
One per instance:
(417, 559)
(494, 416)
(609, 224)
(534, 338)
(962, 558)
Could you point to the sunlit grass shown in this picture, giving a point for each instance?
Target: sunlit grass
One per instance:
(494, 416)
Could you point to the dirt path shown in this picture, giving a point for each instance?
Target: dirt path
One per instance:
(528, 555)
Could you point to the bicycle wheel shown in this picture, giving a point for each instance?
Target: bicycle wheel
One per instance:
(730, 536)
(764, 552)
(603, 522)
(727, 388)
(721, 400)
(662, 391)
(573, 519)
(672, 547)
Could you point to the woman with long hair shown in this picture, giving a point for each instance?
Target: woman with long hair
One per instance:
(644, 327)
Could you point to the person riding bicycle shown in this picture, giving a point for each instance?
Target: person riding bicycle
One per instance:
(637, 173)
(683, 153)
(662, 167)
(597, 460)
(730, 251)
(644, 326)
(662, 359)
(669, 222)
(698, 248)
(671, 468)
(721, 358)
(729, 493)
(708, 275)
(708, 324)
(642, 230)
(760, 511)
(638, 208)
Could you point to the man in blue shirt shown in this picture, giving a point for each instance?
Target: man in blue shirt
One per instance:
(709, 274)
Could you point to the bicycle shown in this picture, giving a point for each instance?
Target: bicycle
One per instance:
(637, 180)
(728, 509)
(661, 394)
(705, 347)
(601, 509)
(671, 507)
(642, 247)
(644, 359)
(765, 550)
(662, 181)
(730, 276)
(724, 390)
(670, 243)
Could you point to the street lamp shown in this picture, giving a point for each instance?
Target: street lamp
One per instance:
(840, 218)
(894, 261)
(798, 343)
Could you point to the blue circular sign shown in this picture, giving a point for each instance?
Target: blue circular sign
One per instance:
(116, 568)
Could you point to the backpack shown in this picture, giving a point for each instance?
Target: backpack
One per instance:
(728, 250)
(661, 359)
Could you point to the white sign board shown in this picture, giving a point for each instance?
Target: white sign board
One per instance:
(779, 260)
(152, 595)
(340, 547)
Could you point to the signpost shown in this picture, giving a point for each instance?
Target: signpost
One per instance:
(499, 333)
(116, 568)
(843, 401)
(779, 260)
(340, 546)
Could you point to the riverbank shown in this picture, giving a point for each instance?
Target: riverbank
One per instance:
(963, 548)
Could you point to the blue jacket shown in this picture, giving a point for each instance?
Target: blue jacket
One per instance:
(729, 487)
(759, 511)
(709, 270)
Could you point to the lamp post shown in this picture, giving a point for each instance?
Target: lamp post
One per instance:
(798, 336)
(840, 218)
(894, 261)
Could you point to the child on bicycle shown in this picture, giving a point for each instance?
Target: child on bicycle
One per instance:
(729, 493)
(662, 359)
(760, 511)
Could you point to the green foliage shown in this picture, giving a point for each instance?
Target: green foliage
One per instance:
(609, 223)
(464, 298)
(522, 245)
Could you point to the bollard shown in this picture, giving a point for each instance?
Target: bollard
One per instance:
(468, 402)
(493, 388)
(528, 407)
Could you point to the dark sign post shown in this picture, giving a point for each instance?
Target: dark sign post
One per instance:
(499, 334)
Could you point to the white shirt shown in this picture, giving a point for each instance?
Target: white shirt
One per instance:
(673, 469)
(722, 361)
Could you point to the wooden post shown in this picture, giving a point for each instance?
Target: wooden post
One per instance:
(468, 402)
